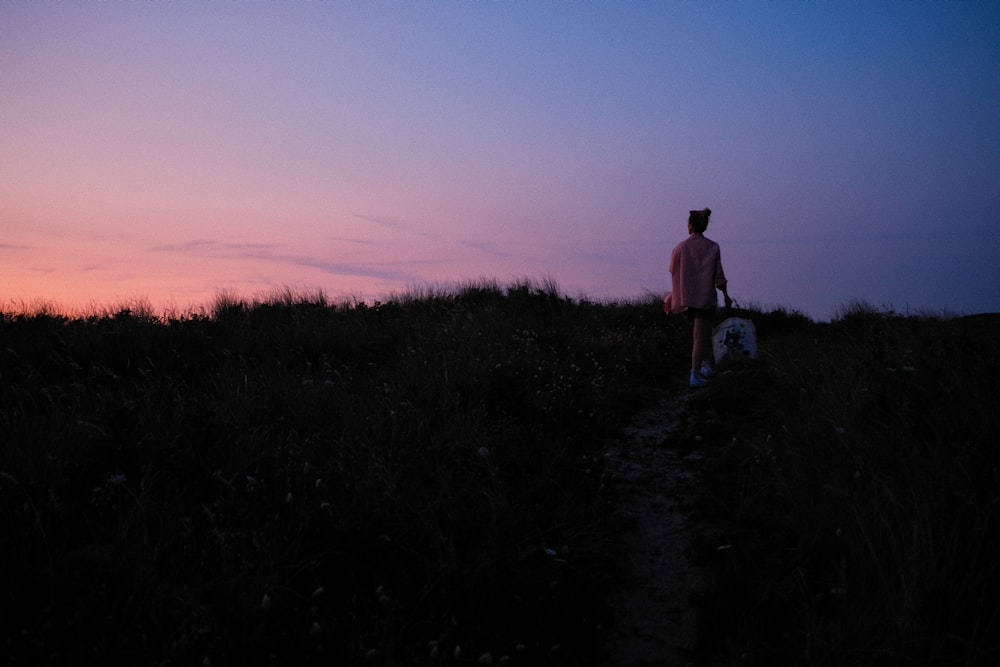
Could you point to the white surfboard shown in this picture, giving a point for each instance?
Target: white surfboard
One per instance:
(734, 340)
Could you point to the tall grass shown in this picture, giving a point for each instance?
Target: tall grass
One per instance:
(858, 496)
(291, 480)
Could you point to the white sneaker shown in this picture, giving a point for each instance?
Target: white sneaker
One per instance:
(698, 380)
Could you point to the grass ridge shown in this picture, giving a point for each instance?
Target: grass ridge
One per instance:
(419, 481)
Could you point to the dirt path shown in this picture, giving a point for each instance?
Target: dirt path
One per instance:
(655, 621)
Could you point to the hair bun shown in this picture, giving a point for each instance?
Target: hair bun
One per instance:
(706, 211)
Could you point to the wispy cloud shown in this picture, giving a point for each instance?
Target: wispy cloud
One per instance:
(345, 239)
(271, 253)
(488, 248)
(367, 270)
(397, 225)
(210, 246)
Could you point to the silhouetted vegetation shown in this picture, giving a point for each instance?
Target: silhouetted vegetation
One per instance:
(851, 497)
(419, 481)
(294, 480)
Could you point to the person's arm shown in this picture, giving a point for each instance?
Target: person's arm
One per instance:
(725, 294)
(720, 280)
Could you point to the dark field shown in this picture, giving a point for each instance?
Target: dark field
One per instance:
(421, 482)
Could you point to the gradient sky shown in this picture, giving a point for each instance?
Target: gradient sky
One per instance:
(173, 151)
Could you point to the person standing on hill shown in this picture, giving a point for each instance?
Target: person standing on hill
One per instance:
(695, 274)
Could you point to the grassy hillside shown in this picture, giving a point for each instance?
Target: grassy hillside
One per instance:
(850, 500)
(291, 478)
(420, 482)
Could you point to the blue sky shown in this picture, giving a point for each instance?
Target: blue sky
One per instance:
(170, 151)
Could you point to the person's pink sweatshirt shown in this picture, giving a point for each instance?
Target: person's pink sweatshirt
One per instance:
(695, 273)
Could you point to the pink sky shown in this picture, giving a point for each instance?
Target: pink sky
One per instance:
(171, 151)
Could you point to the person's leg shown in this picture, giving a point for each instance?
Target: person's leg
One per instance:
(702, 347)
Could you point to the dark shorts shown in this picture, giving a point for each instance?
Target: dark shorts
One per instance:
(699, 313)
